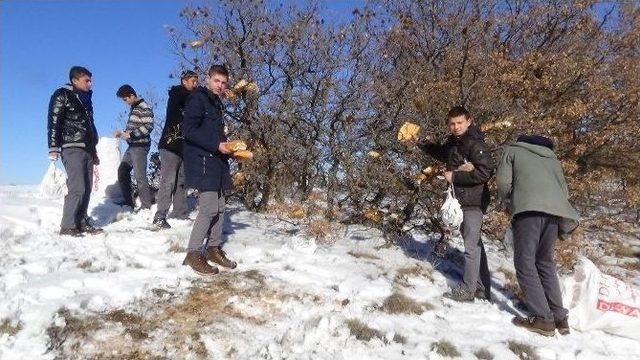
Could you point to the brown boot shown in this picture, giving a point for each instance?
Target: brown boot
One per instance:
(199, 264)
(218, 256)
(536, 325)
(563, 326)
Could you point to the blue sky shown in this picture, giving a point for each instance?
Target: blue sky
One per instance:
(119, 41)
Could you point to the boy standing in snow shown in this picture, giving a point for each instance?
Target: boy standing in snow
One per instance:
(206, 165)
(170, 147)
(465, 145)
(531, 183)
(72, 134)
(138, 136)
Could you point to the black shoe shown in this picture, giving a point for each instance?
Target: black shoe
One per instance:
(161, 224)
(459, 294)
(482, 294)
(536, 325)
(86, 227)
(563, 326)
(71, 232)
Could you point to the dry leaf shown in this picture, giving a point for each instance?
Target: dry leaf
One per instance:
(239, 178)
(196, 44)
(372, 215)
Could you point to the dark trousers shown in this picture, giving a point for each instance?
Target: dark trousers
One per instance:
(78, 163)
(135, 158)
(534, 238)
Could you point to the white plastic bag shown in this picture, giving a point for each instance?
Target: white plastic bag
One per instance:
(53, 184)
(597, 301)
(451, 212)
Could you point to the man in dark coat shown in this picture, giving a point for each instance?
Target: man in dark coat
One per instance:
(532, 185)
(206, 165)
(72, 134)
(172, 187)
(469, 168)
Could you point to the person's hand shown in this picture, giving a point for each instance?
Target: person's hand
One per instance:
(448, 175)
(117, 133)
(125, 135)
(54, 155)
(229, 95)
(224, 148)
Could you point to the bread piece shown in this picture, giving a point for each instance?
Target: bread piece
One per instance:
(408, 131)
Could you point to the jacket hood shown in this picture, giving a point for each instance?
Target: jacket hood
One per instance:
(536, 149)
(474, 133)
(178, 90)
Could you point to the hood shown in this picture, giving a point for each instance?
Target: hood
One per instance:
(536, 149)
(178, 90)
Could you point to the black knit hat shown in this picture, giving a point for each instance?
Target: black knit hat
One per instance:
(536, 140)
(125, 91)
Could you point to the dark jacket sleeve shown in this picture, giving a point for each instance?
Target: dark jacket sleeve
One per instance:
(55, 119)
(483, 165)
(437, 151)
(193, 126)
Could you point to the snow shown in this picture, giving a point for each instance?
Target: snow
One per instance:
(300, 305)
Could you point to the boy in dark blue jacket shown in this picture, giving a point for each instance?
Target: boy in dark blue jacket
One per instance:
(206, 164)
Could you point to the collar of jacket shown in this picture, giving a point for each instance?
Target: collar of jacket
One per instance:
(472, 133)
(74, 90)
(137, 103)
(213, 97)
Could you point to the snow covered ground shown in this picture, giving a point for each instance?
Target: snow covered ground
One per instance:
(124, 294)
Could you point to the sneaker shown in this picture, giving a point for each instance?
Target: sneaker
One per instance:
(459, 294)
(161, 224)
(199, 264)
(71, 232)
(563, 326)
(535, 324)
(219, 257)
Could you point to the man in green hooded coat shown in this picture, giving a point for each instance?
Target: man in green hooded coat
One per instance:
(532, 185)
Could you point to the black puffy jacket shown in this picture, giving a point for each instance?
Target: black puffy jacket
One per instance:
(470, 186)
(70, 123)
(172, 137)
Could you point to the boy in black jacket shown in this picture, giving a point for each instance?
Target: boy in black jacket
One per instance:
(170, 146)
(465, 147)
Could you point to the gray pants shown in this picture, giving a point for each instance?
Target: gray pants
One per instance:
(209, 222)
(135, 158)
(534, 238)
(78, 163)
(476, 269)
(171, 186)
